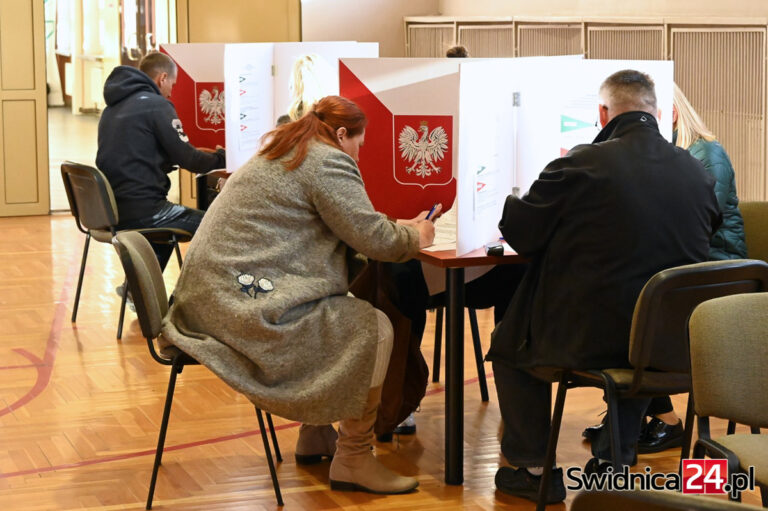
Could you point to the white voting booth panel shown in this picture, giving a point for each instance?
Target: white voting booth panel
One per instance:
(516, 116)
(258, 75)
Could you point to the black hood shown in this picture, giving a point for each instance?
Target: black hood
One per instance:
(124, 81)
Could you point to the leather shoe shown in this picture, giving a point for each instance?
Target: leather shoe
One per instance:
(660, 436)
(521, 483)
(595, 466)
(592, 432)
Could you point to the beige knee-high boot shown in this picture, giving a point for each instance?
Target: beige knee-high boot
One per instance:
(354, 467)
(315, 443)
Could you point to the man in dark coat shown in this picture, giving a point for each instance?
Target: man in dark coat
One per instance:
(596, 225)
(141, 141)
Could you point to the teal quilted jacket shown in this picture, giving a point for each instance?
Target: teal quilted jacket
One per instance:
(728, 242)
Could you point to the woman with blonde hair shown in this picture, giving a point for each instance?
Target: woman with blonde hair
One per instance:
(692, 134)
(263, 298)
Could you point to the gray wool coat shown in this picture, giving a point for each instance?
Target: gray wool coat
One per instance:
(262, 298)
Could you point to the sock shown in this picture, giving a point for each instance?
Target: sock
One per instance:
(535, 471)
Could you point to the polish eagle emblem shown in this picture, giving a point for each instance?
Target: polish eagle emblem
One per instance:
(423, 149)
(212, 105)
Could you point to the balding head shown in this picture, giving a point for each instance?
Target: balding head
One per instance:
(627, 91)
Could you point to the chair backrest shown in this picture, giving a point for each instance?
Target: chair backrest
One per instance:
(145, 280)
(755, 216)
(659, 334)
(90, 196)
(638, 500)
(729, 357)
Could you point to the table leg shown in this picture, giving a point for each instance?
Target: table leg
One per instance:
(454, 377)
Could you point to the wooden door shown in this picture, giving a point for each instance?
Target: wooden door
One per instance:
(23, 113)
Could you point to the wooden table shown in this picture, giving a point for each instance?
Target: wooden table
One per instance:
(454, 347)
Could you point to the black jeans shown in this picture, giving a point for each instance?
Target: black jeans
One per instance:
(525, 402)
(170, 215)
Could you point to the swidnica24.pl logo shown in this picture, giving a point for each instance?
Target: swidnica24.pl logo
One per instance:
(708, 477)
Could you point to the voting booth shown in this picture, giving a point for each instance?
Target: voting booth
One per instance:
(259, 74)
(258, 82)
(470, 132)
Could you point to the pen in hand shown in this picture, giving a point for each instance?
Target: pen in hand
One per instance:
(432, 211)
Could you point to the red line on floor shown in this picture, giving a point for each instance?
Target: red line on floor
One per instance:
(44, 367)
(147, 452)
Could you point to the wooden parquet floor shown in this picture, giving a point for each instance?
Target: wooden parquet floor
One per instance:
(80, 411)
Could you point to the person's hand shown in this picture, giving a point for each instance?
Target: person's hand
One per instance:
(220, 183)
(421, 217)
(206, 150)
(426, 232)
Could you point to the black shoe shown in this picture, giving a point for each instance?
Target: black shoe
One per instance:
(592, 432)
(660, 436)
(521, 483)
(595, 466)
(386, 437)
(407, 427)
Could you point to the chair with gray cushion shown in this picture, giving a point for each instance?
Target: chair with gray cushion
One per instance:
(729, 357)
(93, 205)
(658, 345)
(145, 279)
(651, 501)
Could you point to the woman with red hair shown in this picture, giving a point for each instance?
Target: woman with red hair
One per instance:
(263, 300)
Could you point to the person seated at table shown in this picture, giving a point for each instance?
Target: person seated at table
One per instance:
(141, 141)
(596, 225)
(664, 430)
(485, 287)
(262, 299)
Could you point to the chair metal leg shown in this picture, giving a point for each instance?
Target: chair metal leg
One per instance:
(554, 434)
(268, 452)
(122, 310)
(613, 422)
(731, 428)
(478, 355)
(80, 278)
(763, 494)
(278, 456)
(177, 250)
(754, 430)
(690, 414)
(175, 369)
(438, 345)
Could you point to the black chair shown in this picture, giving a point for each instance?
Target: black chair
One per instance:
(93, 205)
(144, 277)
(481, 380)
(658, 346)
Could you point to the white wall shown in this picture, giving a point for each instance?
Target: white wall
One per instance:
(362, 20)
(639, 8)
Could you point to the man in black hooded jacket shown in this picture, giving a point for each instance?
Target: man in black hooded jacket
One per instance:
(141, 141)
